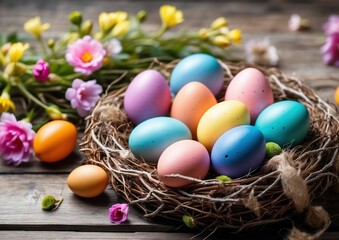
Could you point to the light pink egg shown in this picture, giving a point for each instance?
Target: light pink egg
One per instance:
(252, 88)
(186, 157)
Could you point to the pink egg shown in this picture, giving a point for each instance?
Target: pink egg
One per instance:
(147, 96)
(251, 87)
(186, 157)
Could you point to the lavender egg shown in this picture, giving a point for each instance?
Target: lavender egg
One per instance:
(147, 96)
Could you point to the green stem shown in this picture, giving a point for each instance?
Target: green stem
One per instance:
(31, 96)
(29, 116)
(161, 31)
(7, 89)
(43, 47)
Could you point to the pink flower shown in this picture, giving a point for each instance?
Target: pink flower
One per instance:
(16, 139)
(86, 55)
(41, 71)
(330, 50)
(118, 213)
(332, 25)
(83, 96)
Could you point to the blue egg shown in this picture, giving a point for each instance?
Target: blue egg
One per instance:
(238, 151)
(285, 123)
(197, 67)
(151, 137)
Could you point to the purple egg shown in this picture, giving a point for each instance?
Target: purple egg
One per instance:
(147, 96)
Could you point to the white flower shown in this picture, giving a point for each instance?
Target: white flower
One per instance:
(296, 23)
(261, 52)
(113, 47)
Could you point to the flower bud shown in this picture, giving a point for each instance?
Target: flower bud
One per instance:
(235, 36)
(51, 43)
(76, 18)
(189, 221)
(203, 33)
(142, 16)
(219, 22)
(86, 28)
(54, 113)
(221, 41)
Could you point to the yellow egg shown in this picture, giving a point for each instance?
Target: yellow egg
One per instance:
(220, 118)
(336, 96)
(87, 181)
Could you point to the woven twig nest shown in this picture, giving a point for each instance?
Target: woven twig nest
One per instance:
(285, 185)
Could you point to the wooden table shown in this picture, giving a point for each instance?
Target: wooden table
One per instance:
(23, 187)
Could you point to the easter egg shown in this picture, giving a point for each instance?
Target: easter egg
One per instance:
(220, 118)
(191, 102)
(151, 137)
(147, 96)
(55, 140)
(336, 96)
(186, 157)
(238, 151)
(285, 123)
(197, 67)
(87, 181)
(250, 87)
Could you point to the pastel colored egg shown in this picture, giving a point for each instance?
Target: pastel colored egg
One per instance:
(198, 67)
(88, 181)
(238, 151)
(151, 137)
(191, 102)
(220, 118)
(147, 96)
(285, 123)
(186, 157)
(251, 87)
(336, 96)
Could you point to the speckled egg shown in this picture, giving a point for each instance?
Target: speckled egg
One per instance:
(285, 123)
(186, 157)
(191, 102)
(251, 87)
(220, 118)
(151, 137)
(238, 151)
(198, 67)
(147, 96)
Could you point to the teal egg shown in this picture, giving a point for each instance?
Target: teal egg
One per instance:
(285, 123)
(151, 137)
(198, 67)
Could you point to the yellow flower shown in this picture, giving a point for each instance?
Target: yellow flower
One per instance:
(170, 16)
(203, 33)
(16, 51)
(54, 113)
(108, 20)
(221, 41)
(121, 28)
(235, 36)
(219, 22)
(34, 27)
(6, 103)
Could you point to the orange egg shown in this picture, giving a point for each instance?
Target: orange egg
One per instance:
(55, 140)
(87, 181)
(191, 102)
(336, 96)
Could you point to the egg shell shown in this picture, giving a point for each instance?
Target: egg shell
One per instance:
(238, 151)
(87, 181)
(151, 137)
(55, 140)
(191, 102)
(220, 118)
(186, 157)
(147, 96)
(251, 87)
(286, 123)
(198, 67)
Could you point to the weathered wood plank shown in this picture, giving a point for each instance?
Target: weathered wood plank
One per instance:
(51, 235)
(20, 208)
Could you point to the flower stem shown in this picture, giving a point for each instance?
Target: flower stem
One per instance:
(43, 47)
(161, 31)
(30, 96)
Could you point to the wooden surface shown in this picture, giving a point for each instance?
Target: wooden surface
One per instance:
(22, 188)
